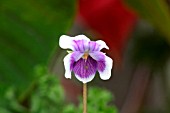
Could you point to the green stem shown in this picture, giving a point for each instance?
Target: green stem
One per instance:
(84, 98)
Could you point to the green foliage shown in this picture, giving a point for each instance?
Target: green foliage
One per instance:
(47, 96)
(10, 103)
(154, 11)
(29, 32)
(98, 102)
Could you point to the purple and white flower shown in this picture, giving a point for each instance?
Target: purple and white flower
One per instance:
(85, 58)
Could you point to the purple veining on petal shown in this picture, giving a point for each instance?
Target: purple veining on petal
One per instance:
(101, 65)
(100, 58)
(76, 45)
(71, 63)
(81, 45)
(93, 46)
(76, 55)
(84, 68)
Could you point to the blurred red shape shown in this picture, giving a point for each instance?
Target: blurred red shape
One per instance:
(111, 20)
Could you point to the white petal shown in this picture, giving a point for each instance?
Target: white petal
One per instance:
(81, 37)
(85, 80)
(68, 60)
(106, 74)
(102, 44)
(66, 42)
(67, 64)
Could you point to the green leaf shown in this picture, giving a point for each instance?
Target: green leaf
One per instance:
(154, 11)
(48, 96)
(29, 32)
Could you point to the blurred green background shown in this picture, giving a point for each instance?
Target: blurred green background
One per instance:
(31, 62)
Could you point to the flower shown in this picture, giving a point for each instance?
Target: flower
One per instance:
(85, 58)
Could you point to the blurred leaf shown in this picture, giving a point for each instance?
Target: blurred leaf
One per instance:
(98, 102)
(11, 104)
(149, 47)
(154, 11)
(48, 96)
(29, 32)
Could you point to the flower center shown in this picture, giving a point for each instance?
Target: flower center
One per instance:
(85, 56)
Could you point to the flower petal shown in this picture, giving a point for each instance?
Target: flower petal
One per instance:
(102, 44)
(93, 46)
(81, 37)
(67, 42)
(85, 69)
(97, 55)
(85, 80)
(75, 56)
(69, 61)
(81, 45)
(104, 64)
(105, 70)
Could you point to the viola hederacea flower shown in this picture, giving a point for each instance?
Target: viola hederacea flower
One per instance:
(86, 58)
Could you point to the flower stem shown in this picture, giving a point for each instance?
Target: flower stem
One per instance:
(84, 98)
